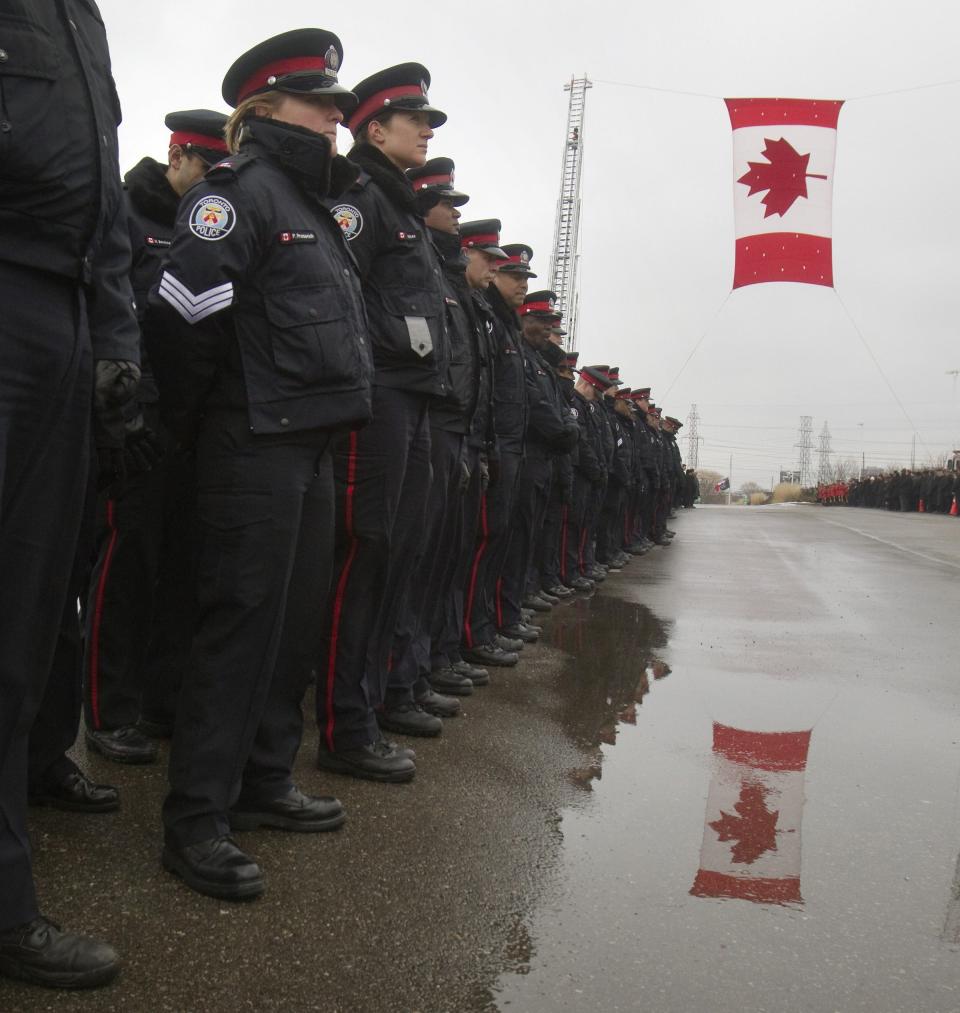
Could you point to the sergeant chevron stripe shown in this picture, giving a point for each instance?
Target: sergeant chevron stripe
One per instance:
(194, 308)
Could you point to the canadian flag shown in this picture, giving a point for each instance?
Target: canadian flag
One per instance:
(783, 160)
(751, 833)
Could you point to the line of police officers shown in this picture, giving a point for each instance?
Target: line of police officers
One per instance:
(353, 451)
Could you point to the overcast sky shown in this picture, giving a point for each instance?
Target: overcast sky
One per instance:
(657, 219)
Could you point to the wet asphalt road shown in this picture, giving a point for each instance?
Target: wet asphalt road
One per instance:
(623, 822)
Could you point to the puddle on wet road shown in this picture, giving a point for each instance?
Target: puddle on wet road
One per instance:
(751, 838)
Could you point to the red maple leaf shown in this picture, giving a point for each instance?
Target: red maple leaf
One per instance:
(754, 828)
(784, 176)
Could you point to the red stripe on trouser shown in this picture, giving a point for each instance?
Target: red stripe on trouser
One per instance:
(563, 542)
(499, 602)
(93, 674)
(581, 547)
(341, 588)
(472, 586)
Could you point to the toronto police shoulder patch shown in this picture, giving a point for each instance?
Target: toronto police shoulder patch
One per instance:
(212, 218)
(349, 219)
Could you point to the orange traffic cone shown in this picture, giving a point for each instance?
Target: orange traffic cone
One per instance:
(921, 509)
(953, 508)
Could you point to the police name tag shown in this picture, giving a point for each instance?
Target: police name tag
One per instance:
(419, 334)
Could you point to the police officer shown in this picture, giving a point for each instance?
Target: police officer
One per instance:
(131, 515)
(261, 358)
(450, 420)
(383, 471)
(483, 603)
(551, 430)
(69, 337)
(589, 476)
(561, 489)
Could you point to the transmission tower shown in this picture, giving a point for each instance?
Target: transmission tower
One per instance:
(693, 437)
(805, 444)
(564, 262)
(824, 471)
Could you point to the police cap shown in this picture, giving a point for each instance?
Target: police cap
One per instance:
(570, 359)
(198, 132)
(596, 376)
(519, 256)
(302, 62)
(484, 235)
(435, 177)
(401, 87)
(539, 304)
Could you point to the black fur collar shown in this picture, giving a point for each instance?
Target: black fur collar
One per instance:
(385, 174)
(150, 192)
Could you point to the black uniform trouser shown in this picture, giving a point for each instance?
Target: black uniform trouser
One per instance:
(592, 523)
(55, 726)
(45, 399)
(533, 489)
(547, 564)
(119, 604)
(175, 594)
(382, 480)
(495, 532)
(573, 533)
(609, 526)
(265, 509)
(445, 637)
(433, 572)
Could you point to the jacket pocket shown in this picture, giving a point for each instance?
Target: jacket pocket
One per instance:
(312, 335)
(414, 319)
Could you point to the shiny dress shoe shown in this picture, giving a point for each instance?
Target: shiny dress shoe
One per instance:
(490, 654)
(448, 680)
(292, 811)
(637, 549)
(78, 794)
(477, 675)
(526, 614)
(41, 953)
(390, 746)
(582, 584)
(537, 603)
(409, 718)
(438, 705)
(549, 598)
(508, 643)
(157, 726)
(122, 745)
(522, 632)
(559, 591)
(377, 762)
(216, 867)
(614, 565)
(597, 575)
(662, 540)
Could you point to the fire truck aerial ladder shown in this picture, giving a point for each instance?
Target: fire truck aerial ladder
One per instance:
(564, 263)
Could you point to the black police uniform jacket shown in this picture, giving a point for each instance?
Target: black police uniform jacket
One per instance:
(152, 205)
(649, 451)
(400, 269)
(509, 375)
(466, 409)
(60, 201)
(588, 462)
(259, 305)
(621, 467)
(551, 429)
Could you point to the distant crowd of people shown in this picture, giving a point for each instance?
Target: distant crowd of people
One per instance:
(927, 490)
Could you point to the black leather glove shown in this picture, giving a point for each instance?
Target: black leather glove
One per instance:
(111, 467)
(143, 450)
